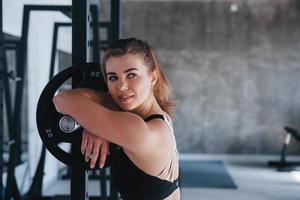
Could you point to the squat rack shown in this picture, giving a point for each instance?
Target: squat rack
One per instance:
(81, 53)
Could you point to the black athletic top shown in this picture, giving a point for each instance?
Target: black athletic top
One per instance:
(134, 184)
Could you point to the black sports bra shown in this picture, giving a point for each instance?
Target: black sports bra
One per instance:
(134, 184)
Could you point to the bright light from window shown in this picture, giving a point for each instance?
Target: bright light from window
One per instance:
(296, 175)
(234, 8)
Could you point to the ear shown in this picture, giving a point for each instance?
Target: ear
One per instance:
(154, 77)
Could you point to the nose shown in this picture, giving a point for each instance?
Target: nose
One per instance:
(122, 85)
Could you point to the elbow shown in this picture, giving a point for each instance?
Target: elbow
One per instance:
(58, 102)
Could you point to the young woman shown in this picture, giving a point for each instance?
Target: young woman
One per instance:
(147, 166)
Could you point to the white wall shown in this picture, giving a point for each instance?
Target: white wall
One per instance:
(38, 61)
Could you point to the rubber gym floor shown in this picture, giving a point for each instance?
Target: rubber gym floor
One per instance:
(250, 173)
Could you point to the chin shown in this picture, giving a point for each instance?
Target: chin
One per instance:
(129, 108)
(126, 108)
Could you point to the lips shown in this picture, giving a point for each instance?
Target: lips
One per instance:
(124, 98)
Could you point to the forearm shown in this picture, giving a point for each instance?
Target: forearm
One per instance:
(94, 95)
(84, 110)
(91, 94)
(114, 126)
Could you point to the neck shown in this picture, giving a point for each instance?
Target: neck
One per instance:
(148, 107)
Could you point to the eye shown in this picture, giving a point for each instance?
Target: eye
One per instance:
(112, 78)
(131, 75)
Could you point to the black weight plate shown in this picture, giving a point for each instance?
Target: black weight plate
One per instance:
(48, 118)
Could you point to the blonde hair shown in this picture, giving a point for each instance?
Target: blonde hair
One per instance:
(162, 89)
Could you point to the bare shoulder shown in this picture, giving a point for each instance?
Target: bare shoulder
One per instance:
(155, 151)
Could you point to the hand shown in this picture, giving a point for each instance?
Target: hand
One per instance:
(91, 145)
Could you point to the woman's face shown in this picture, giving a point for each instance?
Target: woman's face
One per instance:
(129, 80)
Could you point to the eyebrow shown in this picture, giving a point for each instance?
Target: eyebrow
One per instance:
(126, 71)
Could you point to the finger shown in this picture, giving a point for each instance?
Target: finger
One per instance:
(107, 148)
(88, 149)
(95, 155)
(103, 154)
(84, 142)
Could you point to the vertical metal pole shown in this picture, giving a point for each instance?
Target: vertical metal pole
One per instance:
(115, 34)
(80, 54)
(1, 101)
(287, 139)
(115, 12)
(53, 51)
(11, 189)
(96, 58)
(7, 93)
(20, 71)
(95, 27)
(54, 44)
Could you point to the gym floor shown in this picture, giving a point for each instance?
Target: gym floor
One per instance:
(254, 179)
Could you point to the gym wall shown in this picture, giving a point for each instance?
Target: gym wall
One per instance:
(234, 66)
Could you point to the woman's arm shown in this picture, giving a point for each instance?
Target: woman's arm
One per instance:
(123, 128)
(94, 146)
(100, 97)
